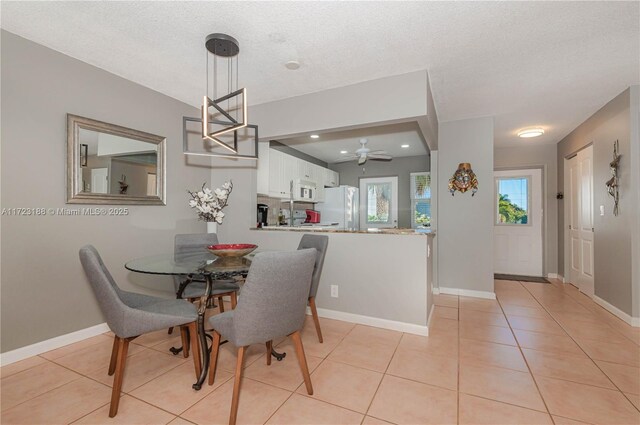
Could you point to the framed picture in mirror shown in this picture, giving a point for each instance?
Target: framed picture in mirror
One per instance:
(111, 164)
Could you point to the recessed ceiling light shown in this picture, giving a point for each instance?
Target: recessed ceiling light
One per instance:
(404, 146)
(292, 65)
(314, 136)
(344, 152)
(530, 132)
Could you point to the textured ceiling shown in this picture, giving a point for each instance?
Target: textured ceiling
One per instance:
(388, 138)
(550, 64)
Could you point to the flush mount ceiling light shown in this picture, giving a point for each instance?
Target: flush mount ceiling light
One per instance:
(314, 136)
(292, 65)
(530, 132)
(224, 106)
(404, 146)
(343, 152)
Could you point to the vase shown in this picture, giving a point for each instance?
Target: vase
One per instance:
(212, 227)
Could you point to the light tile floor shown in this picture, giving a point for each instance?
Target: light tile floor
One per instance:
(540, 354)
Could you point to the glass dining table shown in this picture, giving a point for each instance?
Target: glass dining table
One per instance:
(201, 264)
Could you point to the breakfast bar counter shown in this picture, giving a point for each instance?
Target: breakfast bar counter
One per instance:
(329, 229)
(382, 281)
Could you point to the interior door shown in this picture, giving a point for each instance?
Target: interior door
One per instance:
(99, 180)
(378, 202)
(579, 187)
(518, 222)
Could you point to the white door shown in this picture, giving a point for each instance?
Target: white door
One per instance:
(518, 222)
(99, 180)
(379, 202)
(579, 190)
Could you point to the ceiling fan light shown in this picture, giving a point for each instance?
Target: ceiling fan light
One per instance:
(530, 132)
(343, 152)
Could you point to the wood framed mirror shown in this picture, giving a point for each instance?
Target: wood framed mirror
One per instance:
(110, 164)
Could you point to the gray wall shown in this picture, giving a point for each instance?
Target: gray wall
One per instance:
(612, 235)
(44, 290)
(635, 177)
(545, 157)
(274, 144)
(465, 223)
(399, 98)
(351, 172)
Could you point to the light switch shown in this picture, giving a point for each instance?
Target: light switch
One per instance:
(601, 209)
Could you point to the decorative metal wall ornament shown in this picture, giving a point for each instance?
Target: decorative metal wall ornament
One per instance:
(463, 179)
(612, 183)
(224, 106)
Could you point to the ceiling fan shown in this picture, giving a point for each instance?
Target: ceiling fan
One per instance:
(364, 153)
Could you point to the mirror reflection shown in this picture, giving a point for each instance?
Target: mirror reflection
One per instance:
(110, 164)
(117, 165)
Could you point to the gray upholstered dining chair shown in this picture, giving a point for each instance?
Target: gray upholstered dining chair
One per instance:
(130, 315)
(320, 243)
(272, 305)
(195, 286)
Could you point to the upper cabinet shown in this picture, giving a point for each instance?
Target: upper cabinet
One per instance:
(276, 170)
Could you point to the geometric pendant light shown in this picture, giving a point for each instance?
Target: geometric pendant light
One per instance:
(224, 106)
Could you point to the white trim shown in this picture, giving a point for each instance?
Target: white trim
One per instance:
(51, 344)
(633, 321)
(409, 328)
(435, 291)
(430, 315)
(468, 293)
(555, 276)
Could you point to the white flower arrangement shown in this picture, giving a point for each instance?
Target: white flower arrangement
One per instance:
(209, 204)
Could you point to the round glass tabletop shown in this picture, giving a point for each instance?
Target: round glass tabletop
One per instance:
(203, 263)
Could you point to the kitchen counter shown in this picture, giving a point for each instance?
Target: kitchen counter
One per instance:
(383, 281)
(328, 229)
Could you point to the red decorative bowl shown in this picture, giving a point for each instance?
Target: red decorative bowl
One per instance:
(231, 249)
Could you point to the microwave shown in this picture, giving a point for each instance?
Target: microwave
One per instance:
(303, 190)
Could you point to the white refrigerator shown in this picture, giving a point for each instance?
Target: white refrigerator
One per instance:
(341, 205)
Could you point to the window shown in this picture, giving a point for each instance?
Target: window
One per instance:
(512, 200)
(420, 199)
(378, 200)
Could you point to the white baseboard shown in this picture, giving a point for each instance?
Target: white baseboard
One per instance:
(468, 293)
(435, 291)
(555, 276)
(633, 321)
(51, 344)
(393, 325)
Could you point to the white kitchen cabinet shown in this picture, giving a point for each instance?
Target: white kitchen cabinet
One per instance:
(331, 178)
(263, 168)
(283, 168)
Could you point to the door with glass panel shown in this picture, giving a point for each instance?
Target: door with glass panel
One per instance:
(378, 202)
(518, 222)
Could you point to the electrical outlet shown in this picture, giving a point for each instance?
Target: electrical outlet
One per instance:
(334, 291)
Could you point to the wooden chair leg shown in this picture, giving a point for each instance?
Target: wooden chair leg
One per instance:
(234, 300)
(297, 339)
(269, 347)
(316, 319)
(221, 304)
(185, 341)
(213, 363)
(236, 387)
(170, 331)
(195, 347)
(114, 356)
(123, 347)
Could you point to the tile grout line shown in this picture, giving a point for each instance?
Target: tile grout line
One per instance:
(526, 362)
(383, 375)
(583, 350)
